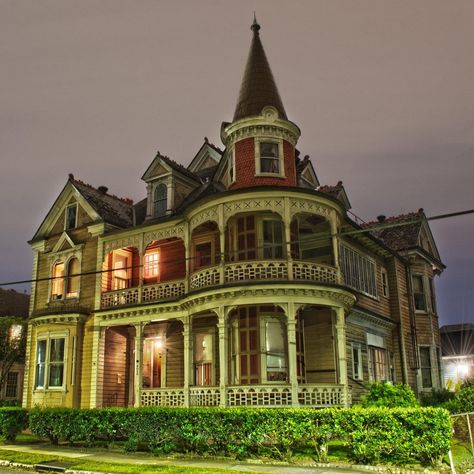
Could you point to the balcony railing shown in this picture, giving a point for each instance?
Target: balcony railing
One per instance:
(309, 395)
(232, 272)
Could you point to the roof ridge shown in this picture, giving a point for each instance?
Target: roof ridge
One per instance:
(126, 200)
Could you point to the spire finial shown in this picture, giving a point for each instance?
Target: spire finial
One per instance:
(255, 26)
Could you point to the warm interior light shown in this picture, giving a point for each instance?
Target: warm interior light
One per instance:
(158, 344)
(462, 370)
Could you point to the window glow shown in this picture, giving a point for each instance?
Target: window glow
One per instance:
(151, 268)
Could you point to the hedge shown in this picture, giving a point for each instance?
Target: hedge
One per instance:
(402, 435)
(13, 420)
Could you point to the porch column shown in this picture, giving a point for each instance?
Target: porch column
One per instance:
(187, 255)
(137, 382)
(187, 358)
(97, 369)
(341, 352)
(287, 224)
(292, 366)
(221, 242)
(221, 325)
(335, 243)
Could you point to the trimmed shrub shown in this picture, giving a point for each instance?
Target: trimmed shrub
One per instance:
(382, 394)
(402, 435)
(13, 420)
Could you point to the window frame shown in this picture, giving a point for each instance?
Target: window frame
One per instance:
(263, 319)
(212, 361)
(64, 280)
(153, 264)
(8, 385)
(260, 238)
(424, 368)
(384, 281)
(281, 161)
(357, 372)
(66, 216)
(158, 186)
(423, 286)
(48, 337)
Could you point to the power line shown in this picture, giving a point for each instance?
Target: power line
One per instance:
(317, 239)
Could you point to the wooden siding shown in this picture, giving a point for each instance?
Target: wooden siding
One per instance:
(175, 355)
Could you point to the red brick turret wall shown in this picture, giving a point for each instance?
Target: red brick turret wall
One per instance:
(245, 167)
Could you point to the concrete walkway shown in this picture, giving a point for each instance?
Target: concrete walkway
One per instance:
(96, 455)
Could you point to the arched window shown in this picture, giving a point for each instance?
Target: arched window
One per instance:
(57, 286)
(160, 200)
(72, 280)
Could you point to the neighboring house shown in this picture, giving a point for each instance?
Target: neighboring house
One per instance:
(238, 280)
(457, 343)
(14, 309)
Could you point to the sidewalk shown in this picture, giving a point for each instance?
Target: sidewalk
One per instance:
(84, 454)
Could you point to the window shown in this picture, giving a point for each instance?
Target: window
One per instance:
(246, 238)
(272, 233)
(160, 204)
(359, 271)
(419, 297)
(154, 354)
(425, 367)
(269, 158)
(357, 371)
(50, 353)
(384, 282)
(151, 267)
(71, 216)
(11, 386)
(203, 359)
(121, 271)
(378, 364)
(432, 295)
(276, 363)
(65, 283)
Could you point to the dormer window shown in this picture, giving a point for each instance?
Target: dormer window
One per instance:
(160, 201)
(71, 216)
(269, 157)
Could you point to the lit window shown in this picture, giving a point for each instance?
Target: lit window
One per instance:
(160, 200)
(15, 334)
(154, 354)
(269, 158)
(203, 358)
(419, 296)
(71, 216)
(121, 272)
(50, 362)
(151, 264)
(425, 367)
(357, 371)
(57, 288)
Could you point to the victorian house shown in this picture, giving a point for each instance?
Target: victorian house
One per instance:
(238, 280)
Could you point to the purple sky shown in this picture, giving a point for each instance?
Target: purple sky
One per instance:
(383, 92)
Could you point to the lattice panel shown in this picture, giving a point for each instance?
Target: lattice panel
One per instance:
(264, 204)
(203, 278)
(256, 271)
(259, 396)
(313, 272)
(163, 397)
(204, 397)
(120, 297)
(132, 241)
(303, 205)
(318, 396)
(175, 231)
(163, 291)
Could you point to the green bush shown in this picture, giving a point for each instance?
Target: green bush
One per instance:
(382, 394)
(436, 398)
(463, 401)
(13, 420)
(402, 435)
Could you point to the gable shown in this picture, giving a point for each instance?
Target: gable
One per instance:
(54, 222)
(426, 240)
(64, 243)
(157, 168)
(309, 175)
(206, 157)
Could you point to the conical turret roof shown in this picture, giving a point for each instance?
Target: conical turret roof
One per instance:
(258, 88)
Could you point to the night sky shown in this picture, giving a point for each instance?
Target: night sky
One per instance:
(383, 92)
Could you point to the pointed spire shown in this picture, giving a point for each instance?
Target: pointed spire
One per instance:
(258, 87)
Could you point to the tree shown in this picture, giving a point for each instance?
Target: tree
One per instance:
(12, 345)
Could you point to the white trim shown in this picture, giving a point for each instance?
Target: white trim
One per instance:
(281, 158)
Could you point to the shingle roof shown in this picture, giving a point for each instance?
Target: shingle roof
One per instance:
(112, 209)
(258, 88)
(178, 167)
(333, 191)
(400, 237)
(13, 303)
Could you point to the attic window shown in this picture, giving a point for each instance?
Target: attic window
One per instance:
(160, 200)
(71, 216)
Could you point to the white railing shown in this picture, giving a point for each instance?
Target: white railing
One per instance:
(315, 272)
(209, 276)
(119, 297)
(256, 270)
(204, 396)
(169, 397)
(162, 291)
(259, 395)
(321, 395)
